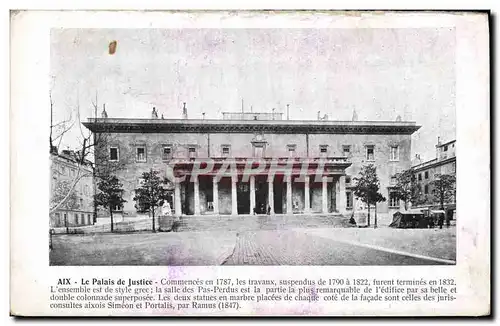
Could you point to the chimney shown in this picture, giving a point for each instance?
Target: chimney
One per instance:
(184, 111)
(354, 115)
(288, 111)
(154, 114)
(438, 147)
(273, 113)
(319, 117)
(203, 114)
(398, 118)
(104, 114)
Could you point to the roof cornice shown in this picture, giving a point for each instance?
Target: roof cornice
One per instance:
(249, 126)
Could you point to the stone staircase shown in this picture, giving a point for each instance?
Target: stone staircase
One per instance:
(240, 223)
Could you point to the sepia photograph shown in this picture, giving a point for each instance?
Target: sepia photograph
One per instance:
(252, 146)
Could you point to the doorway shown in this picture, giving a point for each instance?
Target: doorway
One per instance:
(278, 194)
(261, 190)
(243, 194)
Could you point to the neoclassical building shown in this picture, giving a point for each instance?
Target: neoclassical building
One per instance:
(254, 163)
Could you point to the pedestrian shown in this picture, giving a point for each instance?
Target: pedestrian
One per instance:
(441, 220)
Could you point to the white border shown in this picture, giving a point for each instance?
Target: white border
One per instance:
(29, 77)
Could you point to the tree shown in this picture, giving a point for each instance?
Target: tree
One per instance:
(443, 188)
(91, 147)
(62, 192)
(367, 187)
(406, 188)
(377, 198)
(110, 194)
(151, 194)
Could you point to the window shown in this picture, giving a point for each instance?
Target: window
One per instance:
(370, 152)
(394, 180)
(83, 219)
(63, 170)
(427, 174)
(323, 150)
(140, 154)
(113, 154)
(346, 149)
(348, 179)
(65, 219)
(76, 219)
(393, 199)
(192, 152)
(394, 154)
(88, 219)
(57, 222)
(258, 151)
(349, 202)
(426, 189)
(291, 150)
(226, 150)
(117, 208)
(445, 148)
(81, 202)
(167, 153)
(420, 177)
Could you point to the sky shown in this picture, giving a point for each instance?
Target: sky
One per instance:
(381, 73)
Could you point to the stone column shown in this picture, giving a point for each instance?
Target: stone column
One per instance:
(270, 193)
(196, 196)
(177, 199)
(307, 196)
(252, 194)
(337, 194)
(325, 194)
(342, 201)
(234, 196)
(215, 195)
(289, 209)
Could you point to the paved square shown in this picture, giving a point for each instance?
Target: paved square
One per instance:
(299, 246)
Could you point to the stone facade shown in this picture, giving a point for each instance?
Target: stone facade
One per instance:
(78, 209)
(336, 149)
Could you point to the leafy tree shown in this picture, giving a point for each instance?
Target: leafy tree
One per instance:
(110, 194)
(443, 188)
(367, 187)
(406, 188)
(151, 194)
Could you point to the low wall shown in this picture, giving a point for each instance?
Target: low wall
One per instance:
(163, 223)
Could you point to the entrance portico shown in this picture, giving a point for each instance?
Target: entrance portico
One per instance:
(289, 188)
